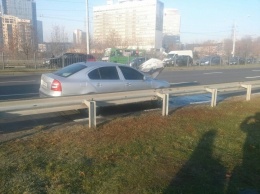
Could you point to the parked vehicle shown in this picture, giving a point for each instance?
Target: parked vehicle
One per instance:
(69, 58)
(251, 60)
(210, 60)
(171, 58)
(136, 62)
(182, 52)
(123, 56)
(96, 77)
(184, 60)
(236, 61)
(178, 60)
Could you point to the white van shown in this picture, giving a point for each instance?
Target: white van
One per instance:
(182, 52)
(172, 56)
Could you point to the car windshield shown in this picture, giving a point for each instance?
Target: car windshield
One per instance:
(170, 55)
(205, 58)
(70, 70)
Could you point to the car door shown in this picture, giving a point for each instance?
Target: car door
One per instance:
(106, 79)
(134, 80)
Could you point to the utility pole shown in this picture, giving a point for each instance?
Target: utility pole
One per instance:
(87, 28)
(234, 39)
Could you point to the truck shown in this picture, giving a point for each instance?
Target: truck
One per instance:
(123, 56)
(172, 57)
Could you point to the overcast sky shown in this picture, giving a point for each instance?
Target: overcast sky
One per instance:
(200, 19)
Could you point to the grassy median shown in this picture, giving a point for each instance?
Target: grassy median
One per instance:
(195, 149)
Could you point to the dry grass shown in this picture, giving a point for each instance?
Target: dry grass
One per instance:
(196, 149)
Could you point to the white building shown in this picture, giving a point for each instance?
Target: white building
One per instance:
(110, 2)
(171, 22)
(139, 24)
(171, 29)
(79, 37)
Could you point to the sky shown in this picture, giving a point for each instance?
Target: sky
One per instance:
(201, 20)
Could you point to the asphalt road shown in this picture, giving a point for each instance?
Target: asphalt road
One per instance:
(27, 85)
(212, 76)
(19, 86)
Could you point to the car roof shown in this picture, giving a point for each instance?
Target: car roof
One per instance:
(78, 54)
(99, 63)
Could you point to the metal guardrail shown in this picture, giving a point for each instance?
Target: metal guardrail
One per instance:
(47, 105)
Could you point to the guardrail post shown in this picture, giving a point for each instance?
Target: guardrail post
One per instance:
(91, 113)
(165, 107)
(214, 95)
(34, 60)
(3, 60)
(248, 91)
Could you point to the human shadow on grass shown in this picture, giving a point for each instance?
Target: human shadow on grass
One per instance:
(202, 173)
(245, 178)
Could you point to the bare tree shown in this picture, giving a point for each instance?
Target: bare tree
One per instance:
(244, 47)
(227, 47)
(209, 48)
(256, 47)
(26, 40)
(12, 47)
(58, 39)
(113, 40)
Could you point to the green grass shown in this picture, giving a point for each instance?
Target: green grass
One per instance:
(195, 149)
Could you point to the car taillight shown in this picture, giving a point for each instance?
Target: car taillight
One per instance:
(56, 86)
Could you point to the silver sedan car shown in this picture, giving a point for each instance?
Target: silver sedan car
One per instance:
(96, 77)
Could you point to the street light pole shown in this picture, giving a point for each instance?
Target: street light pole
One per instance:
(234, 40)
(87, 27)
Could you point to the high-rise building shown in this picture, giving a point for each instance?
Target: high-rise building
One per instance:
(1, 33)
(19, 8)
(137, 24)
(23, 9)
(124, 1)
(171, 22)
(79, 37)
(39, 31)
(110, 2)
(171, 28)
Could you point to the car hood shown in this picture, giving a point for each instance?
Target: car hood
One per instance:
(153, 67)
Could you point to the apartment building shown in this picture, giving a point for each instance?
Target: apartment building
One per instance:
(23, 9)
(16, 32)
(136, 23)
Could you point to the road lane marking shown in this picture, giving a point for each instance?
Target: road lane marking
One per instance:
(252, 77)
(8, 95)
(256, 70)
(212, 73)
(179, 83)
(17, 81)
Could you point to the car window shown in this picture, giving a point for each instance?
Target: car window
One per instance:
(95, 75)
(70, 70)
(131, 74)
(104, 73)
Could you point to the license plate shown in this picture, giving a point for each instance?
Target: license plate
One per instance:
(43, 84)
